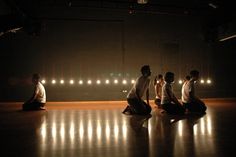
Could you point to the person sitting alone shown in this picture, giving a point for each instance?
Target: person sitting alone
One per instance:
(190, 101)
(168, 100)
(134, 98)
(38, 99)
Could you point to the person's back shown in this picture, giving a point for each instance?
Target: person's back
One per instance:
(134, 98)
(142, 84)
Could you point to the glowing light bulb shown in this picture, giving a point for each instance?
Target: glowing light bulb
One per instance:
(180, 81)
(116, 81)
(202, 81)
(89, 82)
(124, 91)
(62, 81)
(142, 1)
(124, 82)
(107, 81)
(54, 82)
(81, 82)
(98, 82)
(43, 81)
(71, 81)
(132, 81)
(209, 81)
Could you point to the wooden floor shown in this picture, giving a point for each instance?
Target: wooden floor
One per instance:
(98, 129)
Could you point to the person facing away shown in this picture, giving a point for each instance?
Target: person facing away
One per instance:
(190, 101)
(168, 100)
(134, 98)
(38, 99)
(158, 83)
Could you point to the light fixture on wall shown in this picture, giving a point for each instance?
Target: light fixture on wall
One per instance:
(213, 5)
(142, 1)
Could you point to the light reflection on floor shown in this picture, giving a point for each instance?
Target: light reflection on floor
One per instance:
(79, 130)
(106, 132)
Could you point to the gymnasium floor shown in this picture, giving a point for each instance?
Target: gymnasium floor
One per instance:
(98, 129)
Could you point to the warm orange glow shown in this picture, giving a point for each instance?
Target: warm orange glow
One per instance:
(71, 81)
(107, 81)
(98, 82)
(132, 81)
(54, 81)
(89, 82)
(43, 81)
(180, 81)
(62, 81)
(209, 81)
(124, 82)
(116, 81)
(202, 81)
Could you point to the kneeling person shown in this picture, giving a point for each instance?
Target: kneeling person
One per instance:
(38, 99)
(168, 100)
(135, 103)
(190, 101)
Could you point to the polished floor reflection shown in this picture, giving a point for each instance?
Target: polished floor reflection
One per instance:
(106, 132)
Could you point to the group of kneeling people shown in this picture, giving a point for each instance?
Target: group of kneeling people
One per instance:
(165, 97)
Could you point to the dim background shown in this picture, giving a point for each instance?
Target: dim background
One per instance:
(112, 40)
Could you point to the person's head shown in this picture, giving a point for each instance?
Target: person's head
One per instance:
(155, 81)
(35, 78)
(194, 74)
(145, 70)
(187, 78)
(169, 77)
(160, 77)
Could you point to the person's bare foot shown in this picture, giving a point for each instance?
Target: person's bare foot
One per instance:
(43, 108)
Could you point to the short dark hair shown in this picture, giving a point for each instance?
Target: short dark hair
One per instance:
(36, 76)
(160, 76)
(145, 68)
(194, 73)
(169, 75)
(187, 77)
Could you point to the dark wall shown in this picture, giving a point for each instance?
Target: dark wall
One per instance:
(95, 44)
(224, 66)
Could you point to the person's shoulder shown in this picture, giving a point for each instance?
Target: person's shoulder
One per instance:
(141, 78)
(191, 82)
(40, 85)
(159, 84)
(187, 83)
(166, 84)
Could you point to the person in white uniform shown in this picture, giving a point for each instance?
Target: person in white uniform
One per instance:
(190, 101)
(168, 100)
(38, 99)
(136, 105)
(158, 83)
(186, 80)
